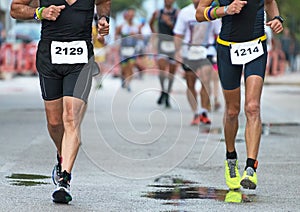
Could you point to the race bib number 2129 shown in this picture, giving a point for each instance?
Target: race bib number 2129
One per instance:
(74, 52)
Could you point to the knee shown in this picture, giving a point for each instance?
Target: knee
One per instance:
(232, 113)
(55, 125)
(69, 118)
(252, 109)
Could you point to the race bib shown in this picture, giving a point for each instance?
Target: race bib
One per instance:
(243, 53)
(74, 52)
(197, 53)
(167, 46)
(127, 51)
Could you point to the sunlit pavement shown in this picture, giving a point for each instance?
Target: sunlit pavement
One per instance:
(139, 156)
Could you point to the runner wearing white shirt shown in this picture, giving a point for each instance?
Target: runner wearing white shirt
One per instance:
(195, 40)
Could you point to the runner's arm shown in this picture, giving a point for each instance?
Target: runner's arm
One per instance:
(272, 10)
(234, 8)
(103, 11)
(26, 9)
(103, 7)
(152, 21)
(178, 42)
(23, 9)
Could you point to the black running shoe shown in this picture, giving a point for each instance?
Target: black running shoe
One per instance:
(168, 105)
(161, 98)
(62, 193)
(56, 172)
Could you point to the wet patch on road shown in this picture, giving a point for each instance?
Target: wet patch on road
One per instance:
(27, 179)
(215, 131)
(293, 92)
(280, 129)
(173, 190)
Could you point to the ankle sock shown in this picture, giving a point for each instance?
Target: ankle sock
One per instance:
(66, 176)
(251, 163)
(231, 155)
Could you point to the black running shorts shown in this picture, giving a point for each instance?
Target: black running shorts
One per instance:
(194, 65)
(59, 80)
(230, 75)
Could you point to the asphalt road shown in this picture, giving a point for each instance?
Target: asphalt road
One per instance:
(138, 156)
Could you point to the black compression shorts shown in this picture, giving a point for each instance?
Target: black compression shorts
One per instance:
(58, 80)
(230, 75)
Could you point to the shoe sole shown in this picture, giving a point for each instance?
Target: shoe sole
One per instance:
(247, 184)
(61, 196)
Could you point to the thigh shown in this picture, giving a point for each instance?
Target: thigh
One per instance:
(205, 73)
(77, 83)
(54, 111)
(230, 75)
(190, 77)
(73, 110)
(232, 100)
(258, 66)
(51, 88)
(253, 89)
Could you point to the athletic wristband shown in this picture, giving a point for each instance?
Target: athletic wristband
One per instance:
(205, 14)
(35, 16)
(208, 13)
(105, 16)
(38, 13)
(225, 10)
(215, 13)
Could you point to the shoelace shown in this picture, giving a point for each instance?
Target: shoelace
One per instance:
(250, 171)
(64, 184)
(231, 165)
(58, 169)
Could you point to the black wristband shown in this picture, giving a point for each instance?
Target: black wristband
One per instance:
(278, 17)
(105, 16)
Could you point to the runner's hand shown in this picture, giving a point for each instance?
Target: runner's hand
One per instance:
(103, 27)
(275, 25)
(52, 12)
(235, 7)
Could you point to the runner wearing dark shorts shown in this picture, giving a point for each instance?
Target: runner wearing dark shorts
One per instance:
(59, 80)
(128, 32)
(241, 49)
(192, 41)
(64, 63)
(166, 19)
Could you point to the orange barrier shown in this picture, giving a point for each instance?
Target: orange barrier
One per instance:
(19, 58)
(7, 55)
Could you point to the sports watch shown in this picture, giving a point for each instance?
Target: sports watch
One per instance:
(104, 16)
(278, 17)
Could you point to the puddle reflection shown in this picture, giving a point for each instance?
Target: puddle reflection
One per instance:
(183, 190)
(27, 179)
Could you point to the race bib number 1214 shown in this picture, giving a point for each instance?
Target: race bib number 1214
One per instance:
(243, 53)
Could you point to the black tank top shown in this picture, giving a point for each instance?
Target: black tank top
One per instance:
(163, 28)
(245, 26)
(74, 22)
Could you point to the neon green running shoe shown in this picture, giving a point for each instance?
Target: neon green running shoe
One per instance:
(249, 179)
(234, 196)
(232, 175)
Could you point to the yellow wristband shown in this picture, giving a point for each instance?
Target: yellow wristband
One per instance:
(38, 12)
(205, 14)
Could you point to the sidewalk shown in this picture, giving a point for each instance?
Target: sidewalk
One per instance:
(288, 78)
